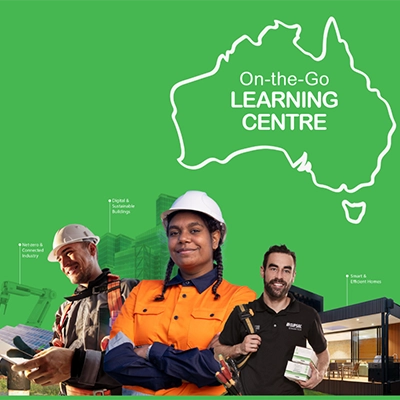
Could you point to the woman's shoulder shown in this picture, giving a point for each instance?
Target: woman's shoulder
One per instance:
(147, 287)
(148, 284)
(243, 292)
(145, 291)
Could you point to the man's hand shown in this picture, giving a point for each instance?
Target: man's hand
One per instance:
(49, 367)
(317, 374)
(214, 341)
(315, 378)
(250, 344)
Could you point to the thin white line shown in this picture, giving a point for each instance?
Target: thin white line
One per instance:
(109, 216)
(19, 265)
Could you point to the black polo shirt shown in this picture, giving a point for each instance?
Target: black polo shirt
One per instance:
(280, 333)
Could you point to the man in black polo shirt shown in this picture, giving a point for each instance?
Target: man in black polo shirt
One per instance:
(281, 323)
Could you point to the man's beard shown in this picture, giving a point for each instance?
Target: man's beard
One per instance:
(82, 275)
(273, 292)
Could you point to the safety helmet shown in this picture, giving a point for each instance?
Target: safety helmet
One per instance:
(71, 234)
(194, 200)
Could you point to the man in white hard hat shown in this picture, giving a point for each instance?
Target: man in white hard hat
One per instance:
(83, 321)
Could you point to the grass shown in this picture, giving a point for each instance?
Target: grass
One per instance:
(36, 390)
(308, 392)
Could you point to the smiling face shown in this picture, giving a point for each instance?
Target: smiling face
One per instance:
(278, 275)
(78, 261)
(191, 245)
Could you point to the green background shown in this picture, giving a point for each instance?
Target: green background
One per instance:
(85, 116)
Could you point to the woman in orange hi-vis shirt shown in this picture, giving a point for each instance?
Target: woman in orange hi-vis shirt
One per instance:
(162, 341)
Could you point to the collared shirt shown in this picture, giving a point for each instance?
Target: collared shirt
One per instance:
(180, 328)
(201, 283)
(280, 333)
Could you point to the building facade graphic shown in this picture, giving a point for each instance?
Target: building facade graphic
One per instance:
(143, 257)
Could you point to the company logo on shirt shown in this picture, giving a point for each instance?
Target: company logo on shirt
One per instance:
(294, 327)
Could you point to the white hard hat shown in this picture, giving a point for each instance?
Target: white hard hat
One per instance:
(71, 234)
(194, 200)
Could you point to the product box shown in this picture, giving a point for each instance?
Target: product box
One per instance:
(304, 356)
(297, 372)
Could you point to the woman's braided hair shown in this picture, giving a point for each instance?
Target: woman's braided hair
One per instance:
(212, 226)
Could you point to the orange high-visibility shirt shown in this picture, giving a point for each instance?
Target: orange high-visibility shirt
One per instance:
(185, 319)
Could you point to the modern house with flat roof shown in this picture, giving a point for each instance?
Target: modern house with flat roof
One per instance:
(363, 343)
(364, 346)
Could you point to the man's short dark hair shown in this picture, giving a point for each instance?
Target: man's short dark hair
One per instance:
(278, 249)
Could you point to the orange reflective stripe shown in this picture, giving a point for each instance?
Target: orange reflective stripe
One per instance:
(114, 298)
(62, 321)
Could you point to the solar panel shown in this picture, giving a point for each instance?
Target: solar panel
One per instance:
(34, 337)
